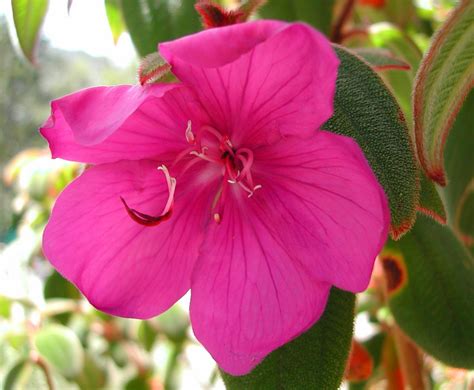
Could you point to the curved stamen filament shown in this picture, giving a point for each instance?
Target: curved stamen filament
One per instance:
(150, 220)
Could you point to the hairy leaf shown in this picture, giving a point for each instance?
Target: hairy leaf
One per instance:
(365, 110)
(429, 277)
(28, 17)
(430, 202)
(444, 79)
(381, 59)
(314, 360)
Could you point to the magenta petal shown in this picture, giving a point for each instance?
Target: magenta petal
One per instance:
(107, 124)
(122, 267)
(249, 295)
(259, 80)
(323, 200)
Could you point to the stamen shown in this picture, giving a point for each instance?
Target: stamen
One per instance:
(217, 218)
(189, 134)
(150, 220)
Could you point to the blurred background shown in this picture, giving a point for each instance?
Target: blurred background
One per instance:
(50, 337)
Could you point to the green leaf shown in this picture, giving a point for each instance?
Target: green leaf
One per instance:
(430, 202)
(5, 307)
(28, 17)
(115, 18)
(381, 59)
(316, 13)
(314, 360)
(58, 287)
(150, 22)
(459, 192)
(444, 79)
(61, 348)
(93, 375)
(430, 287)
(25, 375)
(146, 335)
(365, 110)
(14, 374)
(392, 38)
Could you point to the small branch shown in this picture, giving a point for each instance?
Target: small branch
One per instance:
(337, 31)
(39, 361)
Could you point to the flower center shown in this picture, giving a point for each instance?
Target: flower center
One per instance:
(214, 147)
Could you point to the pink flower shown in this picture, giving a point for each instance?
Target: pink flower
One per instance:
(221, 184)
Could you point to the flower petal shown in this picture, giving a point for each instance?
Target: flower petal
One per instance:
(323, 200)
(107, 124)
(249, 295)
(122, 267)
(259, 80)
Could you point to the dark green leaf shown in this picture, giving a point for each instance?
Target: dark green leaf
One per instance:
(316, 13)
(460, 189)
(365, 110)
(431, 291)
(430, 202)
(28, 16)
(150, 22)
(314, 360)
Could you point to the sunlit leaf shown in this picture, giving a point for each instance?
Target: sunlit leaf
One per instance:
(28, 16)
(430, 288)
(444, 79)
(115, 18)
(314, 360)
(366, 110)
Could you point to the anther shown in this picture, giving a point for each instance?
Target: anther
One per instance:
(217, 218)
(189, 134)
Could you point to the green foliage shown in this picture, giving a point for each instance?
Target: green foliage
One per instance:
(365, 110)
(150, 22)
(28, 16)
(115, 18)
(444, 79)
(459, 191)
(430, 291)
(314, 360)
(61, 348)
(430, 202)
(381, 59)
(316, 13)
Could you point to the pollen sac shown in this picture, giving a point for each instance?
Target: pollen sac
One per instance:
(152, 68)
